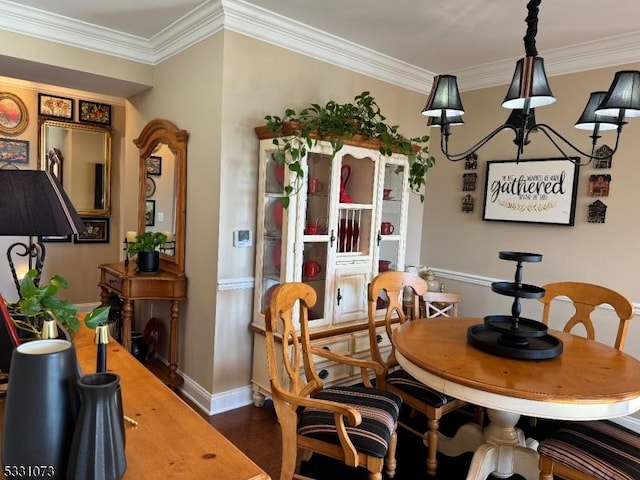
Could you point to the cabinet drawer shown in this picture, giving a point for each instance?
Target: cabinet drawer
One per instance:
(340, 346)
(334, 372)
(361, 340)
(113, 282)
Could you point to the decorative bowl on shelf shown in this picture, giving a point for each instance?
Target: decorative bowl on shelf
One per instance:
(383, 265)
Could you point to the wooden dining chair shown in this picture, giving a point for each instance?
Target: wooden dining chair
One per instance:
(586, 297)
(440, 304)
(593, 450)
(354, 424)
(414, 393)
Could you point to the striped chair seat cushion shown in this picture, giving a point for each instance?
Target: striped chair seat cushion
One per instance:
(406, 383)
(379, 411)
(603, 449)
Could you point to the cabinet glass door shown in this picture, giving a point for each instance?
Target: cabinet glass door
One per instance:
(316, 234)
(273, 218)
(355, 210)
(390, 231)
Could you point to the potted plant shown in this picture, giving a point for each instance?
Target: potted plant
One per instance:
(146, 247)
(334, 122)
(39, 303)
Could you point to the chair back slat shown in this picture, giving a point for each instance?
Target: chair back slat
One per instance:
(287, 350)
(586, 297)
(440, 304)
(392, 285)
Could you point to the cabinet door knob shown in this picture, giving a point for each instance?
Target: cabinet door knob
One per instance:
(339, 296)
(378, 338)
(323, 374)
(326, 348)
(332, 238)
(379, 237)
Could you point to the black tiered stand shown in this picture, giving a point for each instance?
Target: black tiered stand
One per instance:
(514, 336)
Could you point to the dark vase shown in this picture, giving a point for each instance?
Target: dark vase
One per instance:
(41, 406)
(97, 450)
(148, 262)
(139, 347)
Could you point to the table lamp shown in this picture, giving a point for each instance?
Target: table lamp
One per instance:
(34, 204)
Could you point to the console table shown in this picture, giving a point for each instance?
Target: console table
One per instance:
(130, 285)
(171, 440)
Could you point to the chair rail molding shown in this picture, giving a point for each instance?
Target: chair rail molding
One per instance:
(243, 283)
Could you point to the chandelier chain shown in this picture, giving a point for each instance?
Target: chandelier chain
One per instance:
(532, 28)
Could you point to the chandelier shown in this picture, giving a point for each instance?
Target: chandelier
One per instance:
(530, 89)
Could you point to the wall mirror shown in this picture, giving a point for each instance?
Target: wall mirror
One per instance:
(162, 195)
(80, 156)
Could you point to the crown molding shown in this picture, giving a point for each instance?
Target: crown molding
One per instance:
(256, 22)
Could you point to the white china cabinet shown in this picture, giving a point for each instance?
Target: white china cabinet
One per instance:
(347, 222)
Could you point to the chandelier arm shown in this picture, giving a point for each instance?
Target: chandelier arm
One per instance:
(544, 127)
(532, 28)
(456, 157)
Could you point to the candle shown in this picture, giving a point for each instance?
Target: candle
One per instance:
(131, 237)
(169, 236)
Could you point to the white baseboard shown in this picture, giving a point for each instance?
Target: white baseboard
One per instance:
(219, 402)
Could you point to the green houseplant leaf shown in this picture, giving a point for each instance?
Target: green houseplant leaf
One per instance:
(146, 242)
(336, 122)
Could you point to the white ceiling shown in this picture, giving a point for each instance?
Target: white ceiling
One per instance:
(412, 38)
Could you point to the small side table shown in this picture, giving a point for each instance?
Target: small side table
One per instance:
(130, 285)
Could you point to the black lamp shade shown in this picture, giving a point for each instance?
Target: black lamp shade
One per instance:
(529, 83)
(451, 121)
(623, 96)
(444, 98)
(590, 119)
(34, 203)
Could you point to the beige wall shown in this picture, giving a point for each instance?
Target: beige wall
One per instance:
(468, 247)
(75, 262)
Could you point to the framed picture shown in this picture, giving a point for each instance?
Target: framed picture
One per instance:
(92, 112)
(154, 165)
(150, 187)
(54, 238)
(56, 107)
(14, 116)
(97, 231)
(532, 191)
(150, 213)
(14, 151)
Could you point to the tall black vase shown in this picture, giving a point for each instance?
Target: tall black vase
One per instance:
(148, 262)
(41, 408)
(97, 450)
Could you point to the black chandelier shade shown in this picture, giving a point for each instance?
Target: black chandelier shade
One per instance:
(444, 100)
(590, 119)
(529, 84)
(34, 203)
(530, 89)
(623, 97)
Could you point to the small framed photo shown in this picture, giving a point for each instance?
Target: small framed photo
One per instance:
(14, 151)
(54, 238)
(154, 165)
(55, 107)
(97, 231)
(150, 213)
(92, 112)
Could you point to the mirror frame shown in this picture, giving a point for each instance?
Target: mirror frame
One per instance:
(42, 160)
(157, 131)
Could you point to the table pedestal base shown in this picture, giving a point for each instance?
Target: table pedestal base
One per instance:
(500, 449)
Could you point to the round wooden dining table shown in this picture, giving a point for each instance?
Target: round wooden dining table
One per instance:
(588, 381)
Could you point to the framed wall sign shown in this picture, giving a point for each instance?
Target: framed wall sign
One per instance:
(533, 191)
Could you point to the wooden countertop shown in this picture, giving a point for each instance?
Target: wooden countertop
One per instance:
(171, 440)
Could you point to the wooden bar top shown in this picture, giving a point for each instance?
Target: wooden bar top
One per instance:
(171, 440)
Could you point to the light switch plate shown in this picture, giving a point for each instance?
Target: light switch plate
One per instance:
(242, 238)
